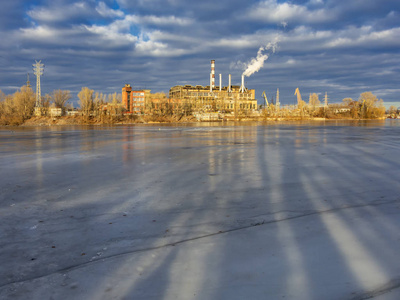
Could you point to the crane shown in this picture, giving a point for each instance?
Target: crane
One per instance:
(266, 100)
(297, 92)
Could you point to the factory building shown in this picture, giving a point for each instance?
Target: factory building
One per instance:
(201, 98)
(198, 98)
(134, 100)
(139, 101)
(212, 97)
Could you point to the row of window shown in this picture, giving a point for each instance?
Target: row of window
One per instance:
(196, 94)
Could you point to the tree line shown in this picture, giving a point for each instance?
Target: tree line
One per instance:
(368, 106)
(16, 108)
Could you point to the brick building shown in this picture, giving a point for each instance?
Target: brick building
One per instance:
(134, 101)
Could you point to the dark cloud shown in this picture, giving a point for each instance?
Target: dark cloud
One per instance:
(340, 47)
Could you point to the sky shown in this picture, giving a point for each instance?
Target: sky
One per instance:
(342, 48)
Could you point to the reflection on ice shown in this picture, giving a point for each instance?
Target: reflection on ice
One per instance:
(200, 211)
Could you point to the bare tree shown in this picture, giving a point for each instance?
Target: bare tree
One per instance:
(86, 100)
(16, 108)
(24, 101)
(371, 106)
(354, 107)
(60, 97)
(313, 102)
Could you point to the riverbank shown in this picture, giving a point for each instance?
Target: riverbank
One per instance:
(79, 120)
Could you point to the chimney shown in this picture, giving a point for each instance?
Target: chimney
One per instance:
(212, 83)
(242, 88)
(277, 103)
(211, 87)
(230, 84)
(220, 82)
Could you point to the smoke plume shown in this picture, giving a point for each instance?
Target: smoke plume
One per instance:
(257, 63)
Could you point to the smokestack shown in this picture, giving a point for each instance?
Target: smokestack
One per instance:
(242, 88)
(212, 73)
(278, 104)
(211, 87)
(220, 82)
(230, 84)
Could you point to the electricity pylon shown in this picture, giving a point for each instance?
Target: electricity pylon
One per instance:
(38, 71)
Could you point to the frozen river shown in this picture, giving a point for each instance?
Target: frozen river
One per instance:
(200, 211)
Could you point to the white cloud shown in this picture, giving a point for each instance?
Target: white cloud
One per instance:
(105, 11)
(59, 12)
(316, 2)
(270, 11)
(39, 32)
(155, 20)
(107, 33)
(365, 36)
(157, 49)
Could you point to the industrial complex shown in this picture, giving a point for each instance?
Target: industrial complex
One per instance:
(198, 98)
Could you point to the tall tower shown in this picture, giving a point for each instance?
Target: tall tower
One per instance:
(28, 83)
(278, 104)
(212, 83)
(326, 100)
(38, 71)
(242, 87)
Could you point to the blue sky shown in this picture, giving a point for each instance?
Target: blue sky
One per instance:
(340, 47)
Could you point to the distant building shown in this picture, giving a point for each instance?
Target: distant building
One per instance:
(192, 98)
(204, 98)
(55, 112)
(134, 101)
(216, 97)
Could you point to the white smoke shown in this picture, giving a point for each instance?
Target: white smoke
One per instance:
(257, 63)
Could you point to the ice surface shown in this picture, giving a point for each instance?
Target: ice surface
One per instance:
(201, 211)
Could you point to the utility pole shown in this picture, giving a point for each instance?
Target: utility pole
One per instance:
(38, 71)
(326, 103)
(326, 99)
(28, 83)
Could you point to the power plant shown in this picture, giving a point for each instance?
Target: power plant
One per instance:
(219, 97)
(197, 97)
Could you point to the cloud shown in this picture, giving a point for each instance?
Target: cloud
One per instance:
(333, 45)
(270, 11)
(365, 37)
(60, 12)
(105, 11)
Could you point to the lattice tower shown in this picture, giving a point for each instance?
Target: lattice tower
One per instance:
(38, 71)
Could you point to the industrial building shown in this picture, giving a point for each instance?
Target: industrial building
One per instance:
(198, 98)
(230, 97)
(134, 101)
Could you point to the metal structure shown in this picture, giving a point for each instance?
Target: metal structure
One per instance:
(28, 83)
(38, 71)
(297, 93)
(242, 86)
(326, 100)
(266, 100)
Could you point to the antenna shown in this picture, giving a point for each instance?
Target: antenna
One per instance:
(326, 99)
(28, 83)
(38, 71)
